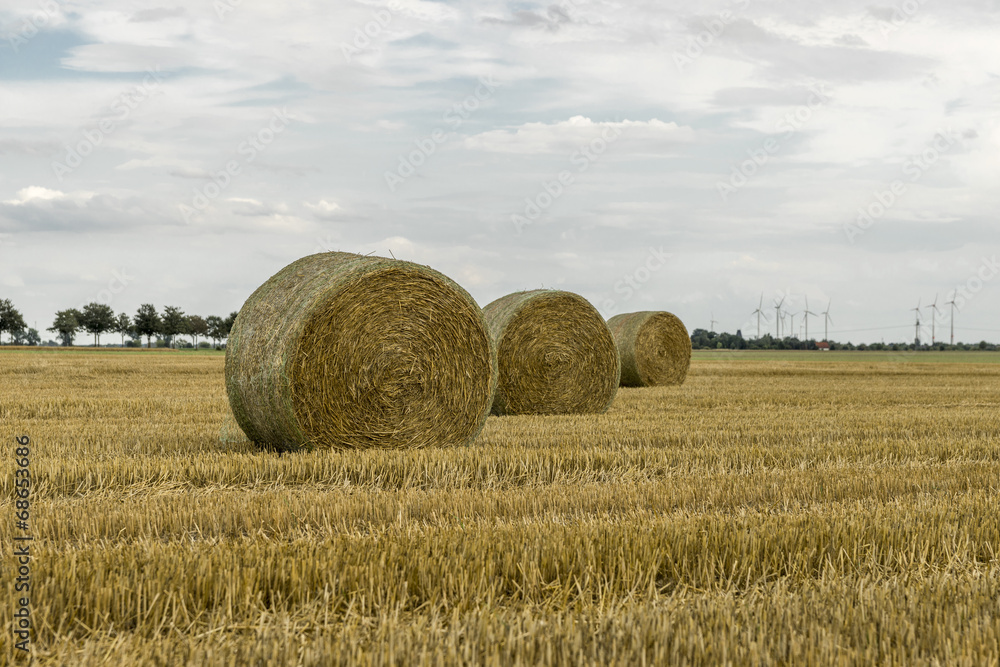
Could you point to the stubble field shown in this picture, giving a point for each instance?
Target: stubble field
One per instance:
(776, 509)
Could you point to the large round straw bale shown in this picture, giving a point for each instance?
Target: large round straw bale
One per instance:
(655, 348)
(555, 354)
(349, 351)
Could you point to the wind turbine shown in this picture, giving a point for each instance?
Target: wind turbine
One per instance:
(934, 312)
(712, 320)
(917, 336)
(826, 321)
(778, 318)
(792, 315)
(758, 313)
(952, 304)
(806, 313)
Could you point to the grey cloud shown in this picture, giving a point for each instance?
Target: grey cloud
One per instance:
(102, 212)
(27, 147)
(253, 209)
(882, 13)
(194, 174)
(554, 17)
(896, 237)
(156, 14)
(851, 40)
(744, 31)
(294, 170)
(729, 97)
(782, 58)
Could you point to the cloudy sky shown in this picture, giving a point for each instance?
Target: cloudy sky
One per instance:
(689, 157)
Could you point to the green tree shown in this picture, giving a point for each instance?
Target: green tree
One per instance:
(174, 323)
(66, 324)
(216, 328)
(196, 326)
(97, 318)
(11, 320)
(230, 321)
(123, 326)
(22, 337)
(147, 322)
(32, 337)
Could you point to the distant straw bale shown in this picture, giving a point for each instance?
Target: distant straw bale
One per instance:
(655, 348)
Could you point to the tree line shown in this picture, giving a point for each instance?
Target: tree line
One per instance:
(702, 339)
(97, 319)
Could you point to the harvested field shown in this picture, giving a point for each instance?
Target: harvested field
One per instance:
(772, 510)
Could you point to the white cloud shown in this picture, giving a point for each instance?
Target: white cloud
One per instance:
(181, 166)
(36, 195)
(568, 135)
(324, 209)
(255, 208)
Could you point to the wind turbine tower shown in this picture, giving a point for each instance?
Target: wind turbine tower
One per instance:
(759, 312)
(777, 318)
(806, 313)
(826, 322)
(934, 312)
(916, 337)
(952, 304)
(713, 322)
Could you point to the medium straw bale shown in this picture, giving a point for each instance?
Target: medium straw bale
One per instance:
(555, 354)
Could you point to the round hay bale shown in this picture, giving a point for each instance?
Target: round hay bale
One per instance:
(555, 354)
(348, 351)
(655, 348)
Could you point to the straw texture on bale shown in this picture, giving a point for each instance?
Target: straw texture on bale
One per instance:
(555, 354)
(349, 351)
(655, 348)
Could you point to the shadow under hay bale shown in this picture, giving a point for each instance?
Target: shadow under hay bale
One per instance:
(348, 351)
(655, 348)
(230, 432)
(555, 354)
